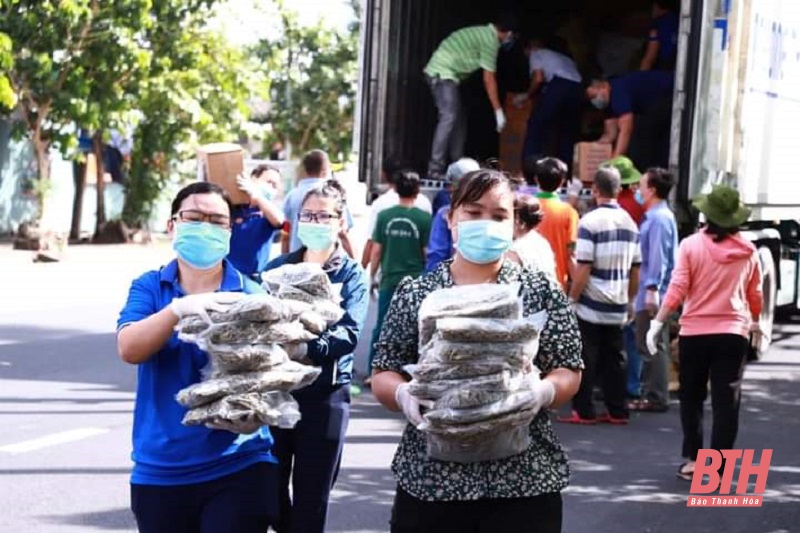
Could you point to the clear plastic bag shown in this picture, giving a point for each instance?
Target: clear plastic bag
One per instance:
(502, 381)
(488, 300)
(513, 354)
(308, 278)
(429, 372)
(254, 308)
(237, 358)
(286, 377)
(245, 413)
(513, 402)
(313, 322)
(465, 398)
(331, 311)
(485, 330)
(503, 444)
(257, 333)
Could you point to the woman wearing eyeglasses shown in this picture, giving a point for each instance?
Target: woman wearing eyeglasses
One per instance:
(310, 453)
(185, 478)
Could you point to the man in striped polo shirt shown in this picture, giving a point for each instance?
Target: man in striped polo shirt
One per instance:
(459, 55)
(603, 291)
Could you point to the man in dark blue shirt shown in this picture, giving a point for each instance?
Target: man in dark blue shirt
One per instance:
(640, 100)
(253, 225)
(662, 41)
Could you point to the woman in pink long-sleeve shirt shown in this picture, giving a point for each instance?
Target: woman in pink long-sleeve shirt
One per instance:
(717, 278)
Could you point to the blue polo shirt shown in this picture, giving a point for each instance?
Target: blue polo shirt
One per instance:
(637, 91)
(664, 30)
(165, 452)
(251, 240)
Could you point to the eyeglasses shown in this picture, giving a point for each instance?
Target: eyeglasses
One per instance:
(190, 215)
(321, 217)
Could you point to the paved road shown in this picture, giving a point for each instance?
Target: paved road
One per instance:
(66, 401)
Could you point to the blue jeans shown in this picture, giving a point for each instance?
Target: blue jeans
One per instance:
(634, 360)
(451, 128)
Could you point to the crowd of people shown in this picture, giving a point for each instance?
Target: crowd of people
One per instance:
(609, 281)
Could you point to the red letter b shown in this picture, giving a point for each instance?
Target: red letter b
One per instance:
(701, 469)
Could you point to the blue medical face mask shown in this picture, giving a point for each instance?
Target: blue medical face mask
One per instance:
(316, 237)
(201, 245)
(599, 102)
(638, 197)
(484, 241)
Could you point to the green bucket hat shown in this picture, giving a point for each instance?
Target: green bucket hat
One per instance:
(628, 172)
(723, 207)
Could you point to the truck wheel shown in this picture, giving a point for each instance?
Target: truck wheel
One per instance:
(769, 288)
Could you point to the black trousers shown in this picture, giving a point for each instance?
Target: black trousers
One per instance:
(603, 355)
(309, 456)
(537, 514)
(245, 502)
(720, 358)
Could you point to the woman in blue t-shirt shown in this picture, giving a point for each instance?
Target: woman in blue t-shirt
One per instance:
(310, 453)
(190, 479)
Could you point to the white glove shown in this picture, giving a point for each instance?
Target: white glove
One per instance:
(544, 390)
(408, 403)
(756, 336)
(248, 186)
(652, 335)
(519, 100)
(501, 119)
(201, 304)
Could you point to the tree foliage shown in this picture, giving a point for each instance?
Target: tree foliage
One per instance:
(314, 72)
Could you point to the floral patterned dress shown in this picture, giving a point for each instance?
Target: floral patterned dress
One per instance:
(543, 467)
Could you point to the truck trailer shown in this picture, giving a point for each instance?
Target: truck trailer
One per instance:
(736, 108)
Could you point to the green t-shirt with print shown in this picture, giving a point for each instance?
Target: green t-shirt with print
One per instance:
(403, 234)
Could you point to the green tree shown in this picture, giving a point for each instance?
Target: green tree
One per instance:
(314, 72)
(198, 91)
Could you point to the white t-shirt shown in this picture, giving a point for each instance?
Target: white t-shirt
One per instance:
(390, 199)
(535, 253)
(553, 64)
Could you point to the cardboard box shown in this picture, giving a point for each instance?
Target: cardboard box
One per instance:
(512, 138)
(588, 157)
(222, 163)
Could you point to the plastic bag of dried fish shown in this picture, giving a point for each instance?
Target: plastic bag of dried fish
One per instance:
(515, 401)
(238, 358)
(308, 278)
(488, 300)
(513, 354)
(501, 445)
(257, 333)
(244, 413)
(286, 377)
(485, 330)
(429, 372)
(502, 381)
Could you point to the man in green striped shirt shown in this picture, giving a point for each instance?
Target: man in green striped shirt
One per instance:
(463, 52)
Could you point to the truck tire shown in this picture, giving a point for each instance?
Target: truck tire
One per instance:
(769, 288)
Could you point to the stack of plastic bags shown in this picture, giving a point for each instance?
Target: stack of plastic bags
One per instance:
(251, 347)
(474, 372)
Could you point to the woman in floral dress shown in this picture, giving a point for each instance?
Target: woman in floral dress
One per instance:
(521, 493)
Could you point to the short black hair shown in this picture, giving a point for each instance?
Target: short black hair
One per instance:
(390, 166)
(314, 162)
(719, 233)
(199, 187)
(550, 173)
(528, 210)
(473, 185)
(406, 183)
(505, 21)
(529, 170)
(608, 182)
(661, 181)
(260, 169)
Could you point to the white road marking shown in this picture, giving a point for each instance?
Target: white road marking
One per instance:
(52, 440)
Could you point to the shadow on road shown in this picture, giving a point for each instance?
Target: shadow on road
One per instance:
(111, 520)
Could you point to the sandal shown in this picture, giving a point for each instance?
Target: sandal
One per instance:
(575, 418)
(683, 473)
(648, 406)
